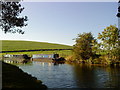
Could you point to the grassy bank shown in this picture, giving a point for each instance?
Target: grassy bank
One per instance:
(101, 60)
(13, 77)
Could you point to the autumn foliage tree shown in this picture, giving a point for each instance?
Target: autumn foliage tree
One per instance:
(10, 17)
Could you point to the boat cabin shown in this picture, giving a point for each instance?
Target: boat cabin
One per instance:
(45, 56)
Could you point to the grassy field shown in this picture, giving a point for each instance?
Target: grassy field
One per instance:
(11, 45)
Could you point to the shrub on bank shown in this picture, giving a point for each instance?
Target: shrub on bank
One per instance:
(104, 60)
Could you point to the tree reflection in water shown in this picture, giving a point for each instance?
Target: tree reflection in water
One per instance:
(114, 77)
(96, 77)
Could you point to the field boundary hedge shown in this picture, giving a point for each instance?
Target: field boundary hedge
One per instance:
(34, 50)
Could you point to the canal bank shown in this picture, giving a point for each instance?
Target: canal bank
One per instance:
(13, 77)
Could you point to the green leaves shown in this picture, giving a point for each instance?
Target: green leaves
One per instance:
(11, 21)
(87, 47)
(109, 37)
(109, 41)
(83, 47)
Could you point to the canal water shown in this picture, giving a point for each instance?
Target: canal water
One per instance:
(73, 76)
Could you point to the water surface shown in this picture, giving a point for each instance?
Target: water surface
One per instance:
(73, 76)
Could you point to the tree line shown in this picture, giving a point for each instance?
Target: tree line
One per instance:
(105, 49)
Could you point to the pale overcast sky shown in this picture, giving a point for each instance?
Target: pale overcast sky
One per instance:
(60, 22)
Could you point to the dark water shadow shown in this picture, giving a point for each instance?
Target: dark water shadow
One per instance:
(97, 77)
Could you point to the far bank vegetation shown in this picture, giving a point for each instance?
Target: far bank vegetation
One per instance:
(103, 50)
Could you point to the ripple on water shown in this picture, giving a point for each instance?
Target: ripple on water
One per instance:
(68, 76)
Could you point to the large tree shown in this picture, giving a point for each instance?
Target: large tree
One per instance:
(109, 40)
(83, 47)
(10, 17)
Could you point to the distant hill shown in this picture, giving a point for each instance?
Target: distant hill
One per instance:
(11, 45)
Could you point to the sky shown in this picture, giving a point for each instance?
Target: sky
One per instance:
(61, 22)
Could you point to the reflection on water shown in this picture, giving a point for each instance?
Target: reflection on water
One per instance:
(74, 76)
(97, 77)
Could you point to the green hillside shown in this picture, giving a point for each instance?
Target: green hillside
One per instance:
(11, 45)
